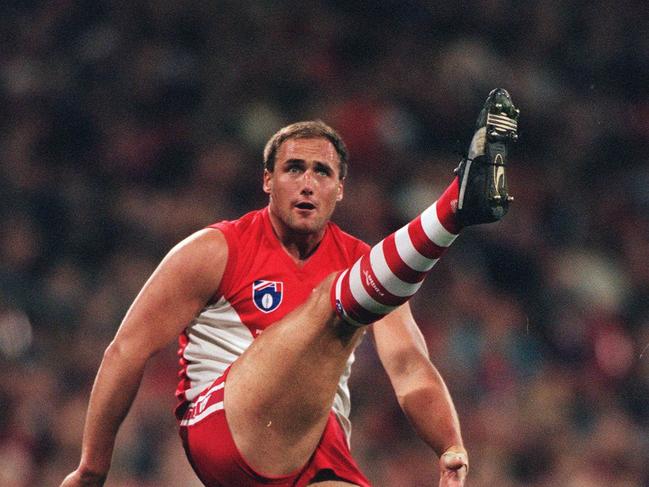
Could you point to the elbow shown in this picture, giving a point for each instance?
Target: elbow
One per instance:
(115, 351)
(420, 382)
(125, 352)
(89, 476)
(413, 393)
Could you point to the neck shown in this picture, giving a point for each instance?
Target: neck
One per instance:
(299, 246)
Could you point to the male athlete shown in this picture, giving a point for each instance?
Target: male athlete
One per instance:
(270, 307)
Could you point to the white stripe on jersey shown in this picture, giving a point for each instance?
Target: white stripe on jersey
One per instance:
(217, 337)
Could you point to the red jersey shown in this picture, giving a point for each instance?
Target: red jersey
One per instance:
(260, 285)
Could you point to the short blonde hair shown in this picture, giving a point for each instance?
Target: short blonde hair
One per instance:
(305, 130)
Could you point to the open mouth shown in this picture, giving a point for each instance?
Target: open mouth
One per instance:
(305, 206)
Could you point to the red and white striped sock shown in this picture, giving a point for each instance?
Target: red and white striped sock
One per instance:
(394, 269)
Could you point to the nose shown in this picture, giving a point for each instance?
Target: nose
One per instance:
(307, 183)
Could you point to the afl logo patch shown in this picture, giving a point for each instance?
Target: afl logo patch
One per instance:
(267, 295)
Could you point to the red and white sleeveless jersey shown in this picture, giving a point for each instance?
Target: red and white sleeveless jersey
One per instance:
(260, 285)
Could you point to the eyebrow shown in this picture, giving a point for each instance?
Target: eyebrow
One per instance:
(302, 161)
(324, 166)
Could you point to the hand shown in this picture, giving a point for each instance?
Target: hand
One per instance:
(454, 467)
(79, 479)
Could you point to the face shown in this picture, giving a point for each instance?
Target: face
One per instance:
(305, 185)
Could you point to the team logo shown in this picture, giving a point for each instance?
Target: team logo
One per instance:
(267, 295)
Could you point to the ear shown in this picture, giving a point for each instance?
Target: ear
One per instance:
(268, 181)
(341, 187)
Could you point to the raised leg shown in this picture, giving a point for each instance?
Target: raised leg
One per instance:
(279, 393)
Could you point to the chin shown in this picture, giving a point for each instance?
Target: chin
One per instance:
(307, 227)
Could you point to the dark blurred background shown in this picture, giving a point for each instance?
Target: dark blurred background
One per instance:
(125, 126)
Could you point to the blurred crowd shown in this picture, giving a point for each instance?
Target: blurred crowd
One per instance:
(125, 126)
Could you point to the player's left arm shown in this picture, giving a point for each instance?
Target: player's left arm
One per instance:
(421, 391)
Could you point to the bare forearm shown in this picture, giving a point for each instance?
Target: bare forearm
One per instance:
(426, 401)
(113, 393)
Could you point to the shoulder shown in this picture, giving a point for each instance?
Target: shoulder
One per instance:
(231, 243)
(206, 249)
(198, 263)
(208, 240)
(238, 234)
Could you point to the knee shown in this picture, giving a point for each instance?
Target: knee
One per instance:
(327, 284)
(324, 296)
(322, 309)
(321, 296)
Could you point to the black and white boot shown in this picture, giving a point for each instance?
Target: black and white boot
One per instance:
(483, 194)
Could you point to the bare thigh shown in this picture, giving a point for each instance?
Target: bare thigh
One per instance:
(279, 392)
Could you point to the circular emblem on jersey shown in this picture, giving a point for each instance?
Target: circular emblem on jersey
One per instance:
(267, 295)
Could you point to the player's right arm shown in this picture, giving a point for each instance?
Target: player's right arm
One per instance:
(186, 279)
